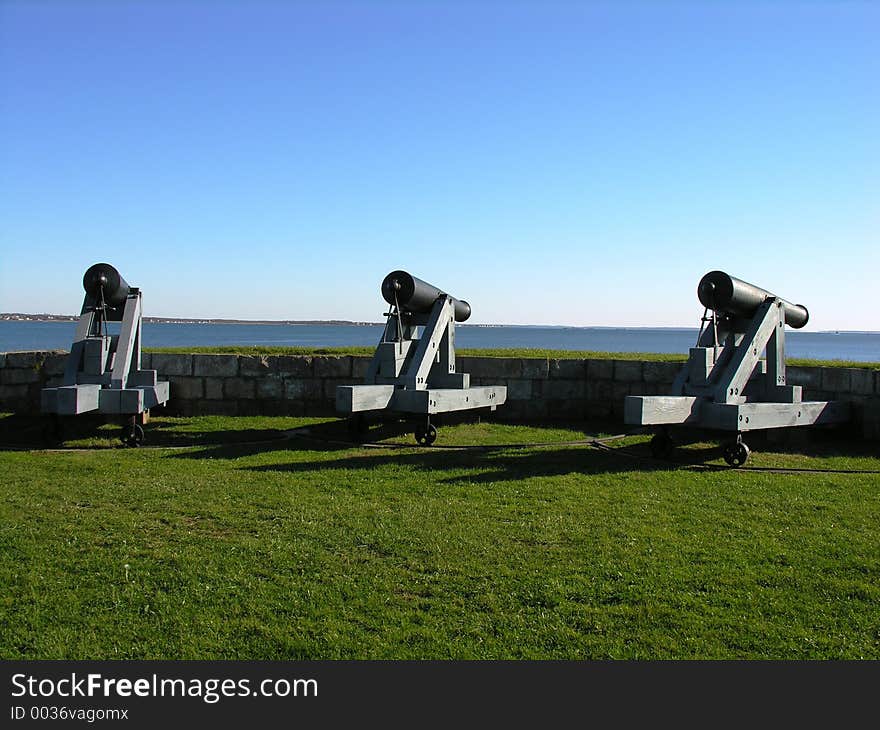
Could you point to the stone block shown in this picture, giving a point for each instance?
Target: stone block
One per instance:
(19, 376)
(535, 367)
(147, 361)
(627, 371)
(303, 389)
(595, 410)
(298, 407)
(511, 411)
(185, 408)
(225, 366)
(277, 408)
(12, 394)
(660, 373)
(359, 366)
(330, 385)
(560, 410)
(836, 380)
(599, 391)
(641, 389)
(249, 407)
(535, 409)
(522, 410)
(568, 369)
(331, 366)
(54, 363)
(270, 387)
(295, 388)
(538, 389)
(807, 377)
(619, 391)
(239, 388)
(871, 419)
(186, 387)
(600, 369)
(492, 369)
(214, 388)
(519, 389)
(224, 407)
(861, 381)
(563, 389)
(28, 359)
(318, 407)
(254, 366)
(166, 364)
(296, 366)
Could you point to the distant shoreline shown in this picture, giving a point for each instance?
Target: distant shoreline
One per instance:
(21, 317)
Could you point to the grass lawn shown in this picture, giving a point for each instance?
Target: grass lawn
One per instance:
(477, 352)
(228, 539)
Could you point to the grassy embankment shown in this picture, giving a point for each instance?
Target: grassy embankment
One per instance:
(296, 548)
(466, 352)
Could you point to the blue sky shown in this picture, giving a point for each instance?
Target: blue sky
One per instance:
(552, 163)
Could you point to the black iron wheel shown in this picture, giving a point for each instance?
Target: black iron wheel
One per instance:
(132, 435)
(736, 453)
(662, 445)
(426, 435)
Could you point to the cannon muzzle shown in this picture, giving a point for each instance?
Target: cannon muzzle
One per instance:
(728, 295)
(104, 276)
(417, 296)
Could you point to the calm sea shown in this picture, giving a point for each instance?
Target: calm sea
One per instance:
(861, 346)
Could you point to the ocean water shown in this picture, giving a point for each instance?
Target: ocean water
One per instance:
(860, 346)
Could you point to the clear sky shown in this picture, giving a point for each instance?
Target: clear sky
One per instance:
(552, 163)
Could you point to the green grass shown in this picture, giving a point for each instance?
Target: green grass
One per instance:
(311, 548)
(477, 352)
(262, 350)
(811, 362)
(461, 352)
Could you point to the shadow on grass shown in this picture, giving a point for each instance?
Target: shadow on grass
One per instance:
(88, 430)
(391, 442)
(19, 431)
(506, 462)
(394, 436)
(807, 441)
(168, 433)
(501, 462)
(329, 436)
(482, 465)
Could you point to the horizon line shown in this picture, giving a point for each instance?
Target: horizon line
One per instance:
(45, 317)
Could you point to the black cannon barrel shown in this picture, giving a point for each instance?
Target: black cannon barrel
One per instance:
(418, 296)
(727, 294)
(116, 289)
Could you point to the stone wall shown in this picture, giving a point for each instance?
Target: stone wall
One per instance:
(537, 388)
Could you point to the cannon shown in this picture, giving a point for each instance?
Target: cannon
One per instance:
(103, 371)
(734, 379)
(414, 296)
(728, 296)
(414, 375)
